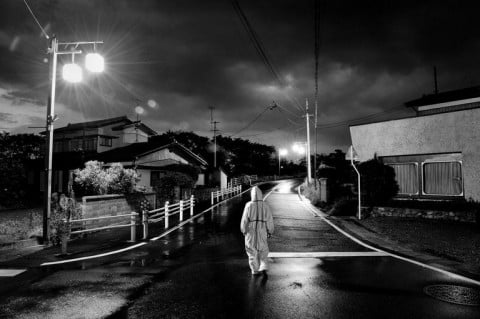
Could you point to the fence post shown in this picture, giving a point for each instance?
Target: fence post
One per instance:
(181, 210)
(64, 236)
(145, 223)
(166, 214)
(191, 205)
(133, 229)
(221, 190)
(212, 200)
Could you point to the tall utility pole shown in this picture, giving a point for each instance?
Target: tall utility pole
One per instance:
(215, 143)
(309, 165)
(214, 130)
(316, 52)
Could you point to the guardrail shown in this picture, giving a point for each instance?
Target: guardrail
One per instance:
(148, 216)
(225, 192)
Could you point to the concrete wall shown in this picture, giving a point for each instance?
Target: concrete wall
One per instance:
(112, 205)
(454, 132)
(469, 217)
(145, 177)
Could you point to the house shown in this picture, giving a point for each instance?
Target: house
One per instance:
(77, 143)
(100, 136)
(152, 158)
(112, 140)
(436, 152)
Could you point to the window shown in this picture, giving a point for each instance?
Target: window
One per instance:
(90, 144)
(406, 175)
(442, 178)
(106, 141)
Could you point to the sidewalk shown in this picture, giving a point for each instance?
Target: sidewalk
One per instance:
(415, 239)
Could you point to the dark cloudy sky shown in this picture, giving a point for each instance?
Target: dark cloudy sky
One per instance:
(177, 58)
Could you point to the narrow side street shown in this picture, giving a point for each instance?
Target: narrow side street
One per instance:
(201, 271)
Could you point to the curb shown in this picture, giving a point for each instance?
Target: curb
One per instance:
(393, 254)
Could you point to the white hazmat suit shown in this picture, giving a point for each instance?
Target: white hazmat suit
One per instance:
(256, 226)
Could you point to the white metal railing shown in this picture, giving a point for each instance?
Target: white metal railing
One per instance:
(225, 193)
(165, 212)
(148, 216)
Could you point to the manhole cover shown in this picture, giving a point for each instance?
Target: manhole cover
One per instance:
(454, 294)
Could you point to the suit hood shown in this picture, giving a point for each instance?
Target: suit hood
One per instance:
(256, 194)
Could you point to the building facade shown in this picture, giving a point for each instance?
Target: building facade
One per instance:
(435, 154)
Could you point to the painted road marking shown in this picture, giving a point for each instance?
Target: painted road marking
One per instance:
(323, 254)
(11, 272)
(66, 261)
(418, 263)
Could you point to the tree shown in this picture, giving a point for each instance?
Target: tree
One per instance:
(15, 152)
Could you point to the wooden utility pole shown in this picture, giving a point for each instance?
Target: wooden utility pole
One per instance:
(214, 130)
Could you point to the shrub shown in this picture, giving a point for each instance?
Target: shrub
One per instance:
(312, 193)
(63, 208)
(378, 182)
(94, 180)
(344, 207)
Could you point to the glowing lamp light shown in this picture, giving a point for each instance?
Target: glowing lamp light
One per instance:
(298, 149)
(283, 152)
(94, 62)
(72, 73)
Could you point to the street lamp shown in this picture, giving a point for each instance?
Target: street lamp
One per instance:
(303, 148)
(281, 152)
(71, 72)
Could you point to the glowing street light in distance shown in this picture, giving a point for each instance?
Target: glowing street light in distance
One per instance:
(283, 152)
(72, 73)
(94, 62)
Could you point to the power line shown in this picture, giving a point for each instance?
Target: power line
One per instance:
(259, 47)
(352, 121)
(36, 20)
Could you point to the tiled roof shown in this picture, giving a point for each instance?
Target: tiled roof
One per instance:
(135, 150)
(94, 124)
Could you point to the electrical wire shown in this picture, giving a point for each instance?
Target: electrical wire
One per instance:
(259, 47)
(36, 20)
(252, 121)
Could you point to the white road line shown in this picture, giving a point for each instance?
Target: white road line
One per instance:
(442, 271)
(326, 254)
(51, 263)
(139, 244)
(11, 272)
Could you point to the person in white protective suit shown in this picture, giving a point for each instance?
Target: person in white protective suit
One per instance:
(257, 226)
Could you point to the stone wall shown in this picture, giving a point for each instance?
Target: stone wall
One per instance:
(113, 205)
(468, 217)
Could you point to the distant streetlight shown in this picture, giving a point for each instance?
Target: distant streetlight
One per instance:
(281, 152)
(302, 148)
(71, 72)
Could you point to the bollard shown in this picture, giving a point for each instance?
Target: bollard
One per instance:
(166, 214)
(133, 229)
(145, 223)
(191, 205)
(222, 191)
(181, 210)
(212, 201)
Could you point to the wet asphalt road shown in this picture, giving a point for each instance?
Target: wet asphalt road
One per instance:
(201, 271)
(210, 277)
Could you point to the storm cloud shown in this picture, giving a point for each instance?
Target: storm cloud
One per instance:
(190, 55)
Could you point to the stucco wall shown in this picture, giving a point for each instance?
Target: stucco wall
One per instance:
(439, 133)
